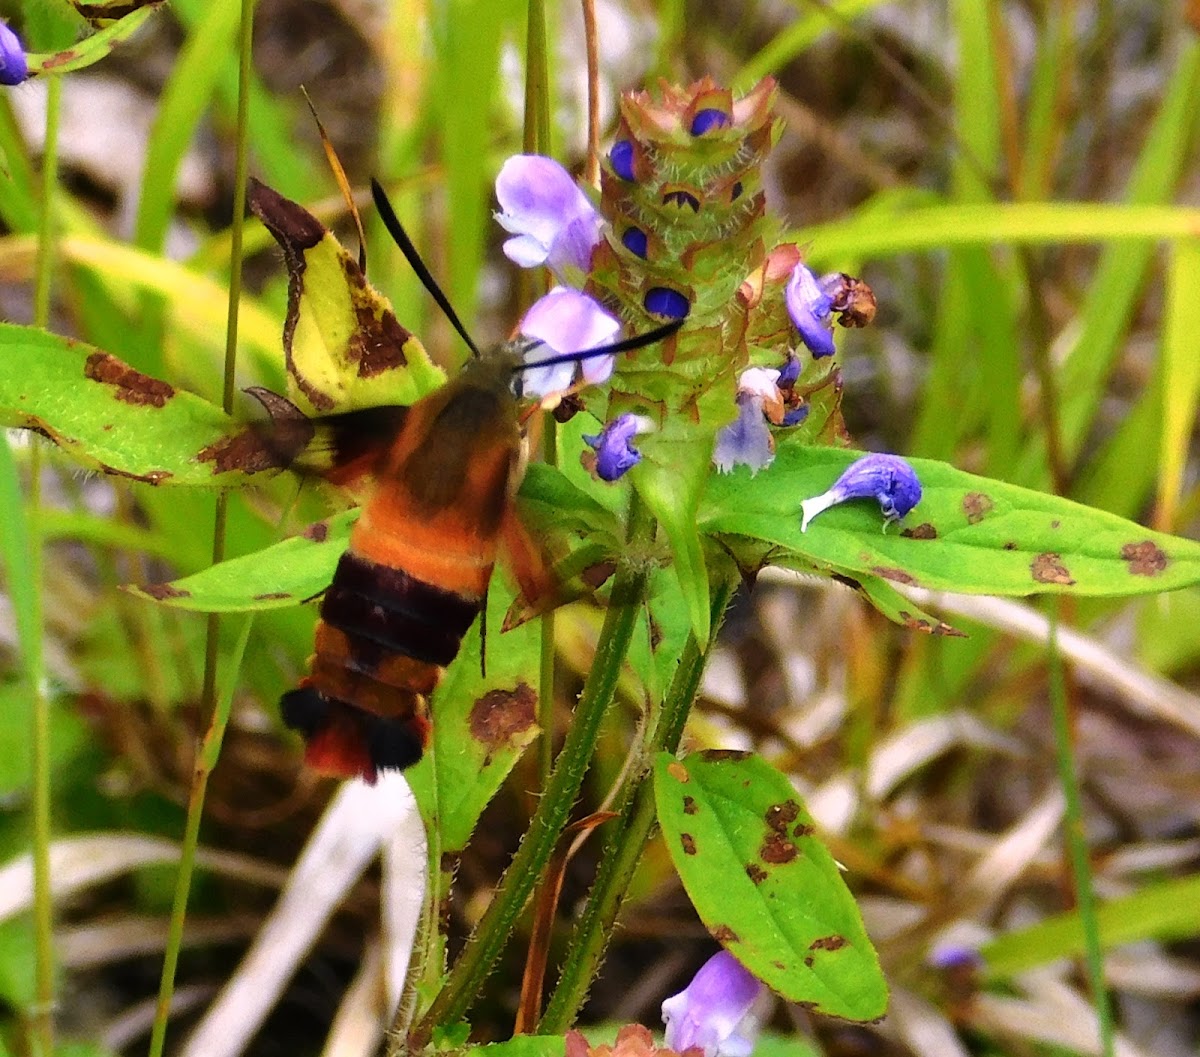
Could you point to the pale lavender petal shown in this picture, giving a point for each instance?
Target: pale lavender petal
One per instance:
(746, 441)
(717, 1011)
(565, 321)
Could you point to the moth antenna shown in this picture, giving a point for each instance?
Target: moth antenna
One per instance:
(339, 174)
(400, 237)
(638, 341)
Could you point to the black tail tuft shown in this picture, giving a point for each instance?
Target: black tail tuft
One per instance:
(305, 710)
(393, 744)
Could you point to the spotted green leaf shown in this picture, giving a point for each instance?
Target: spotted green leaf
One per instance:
(764, 885)
(110, 417)
(968, 533)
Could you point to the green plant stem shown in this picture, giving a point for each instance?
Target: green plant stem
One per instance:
(42, 1026)
(554, 808)
(547, 659)
(537, 82)
(219, 711)
(627, 838)
(1085, 896)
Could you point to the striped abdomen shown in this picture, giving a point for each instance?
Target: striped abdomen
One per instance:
(383, 640)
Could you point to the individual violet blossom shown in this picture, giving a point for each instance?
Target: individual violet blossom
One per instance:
(13, 66)
(552, 220)
(886, 478)
(615, 453)
(811, 307)
(720, 1011)
(567, 321)
(747, 441)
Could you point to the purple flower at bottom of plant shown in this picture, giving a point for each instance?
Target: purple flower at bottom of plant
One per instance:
(566, 321)
(13, 66)
(811, 309)
(615, 453)
(747, 441)
(552, 220)
(719, 1011)
(888, 479)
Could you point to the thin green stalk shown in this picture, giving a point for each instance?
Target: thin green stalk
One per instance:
(554, 807)
(627, 838)
(537, 82)
(42, 1026)
(547, 659)
(210, 751)
(1085, 896)
(208, 696)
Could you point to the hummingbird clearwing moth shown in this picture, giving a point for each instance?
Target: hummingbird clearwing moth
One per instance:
(439, 478)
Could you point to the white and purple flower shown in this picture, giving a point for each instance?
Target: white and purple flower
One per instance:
(567, 321)
(810, 305)
(552, 220)
(14, 68)
(720, 1011)
(887, 479)
(747, 441)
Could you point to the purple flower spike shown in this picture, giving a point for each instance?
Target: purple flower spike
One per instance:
(615, 453)
(707, 120)
(663, 301)
(747, 441)
(621, 158)
(554, 222)
(566, 321)
(886, 478)
(13, 67)
(720, 1011)
(811, 309)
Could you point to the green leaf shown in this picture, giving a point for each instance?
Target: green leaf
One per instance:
(480, 725)
(288, 573)
(1162, 910)
(522, 1046)
(108, 416)
(968, 533)
(92, 49)
(765, 887)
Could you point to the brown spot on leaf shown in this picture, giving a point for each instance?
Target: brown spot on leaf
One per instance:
(500, 715)
(803, 830)
(1145, 558)
(162, 592)
(923, 531)
(257, 448)
(318, 532)
(809, 961)
(688, 843)
(777, 850)
(377, 342)
(149, 477)
(689, 805)
(828, 943)
(677, 771)
(272, 596)
(977, 505)
(780, 816)
(111, 11)
(1010, 545)
(898, 575)
(598, 574)
(1048, 568)
(723, 934)
(756, 873)
(849, 581)
(293, 226)
(718, 755)
(130, 386)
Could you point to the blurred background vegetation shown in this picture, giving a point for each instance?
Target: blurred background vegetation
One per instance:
(1048, 344)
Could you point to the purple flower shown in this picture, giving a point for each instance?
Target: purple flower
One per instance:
(615, 453)
(886, 478)
(811, 309)
(13, 67)
(566, 321)
(720, 1010)
(554, 222)
(707, 120)
(747, 441)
